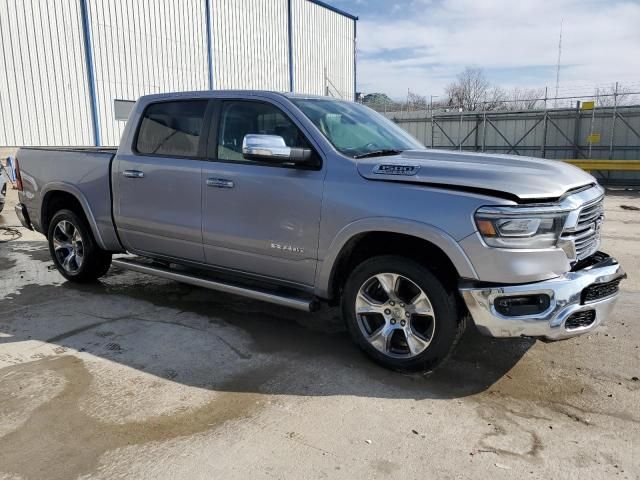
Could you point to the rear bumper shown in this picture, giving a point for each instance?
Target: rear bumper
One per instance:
(23, 216)
(567, 296)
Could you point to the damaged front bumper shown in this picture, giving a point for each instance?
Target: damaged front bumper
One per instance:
(572, 304)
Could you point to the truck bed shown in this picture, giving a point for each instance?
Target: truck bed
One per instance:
(85, 172)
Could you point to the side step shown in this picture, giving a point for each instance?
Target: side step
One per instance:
(140, 265)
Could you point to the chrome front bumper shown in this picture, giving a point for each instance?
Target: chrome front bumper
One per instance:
(565, 293)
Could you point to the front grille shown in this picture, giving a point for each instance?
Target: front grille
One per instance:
(586, 234)
(600, 290)
(580, 320)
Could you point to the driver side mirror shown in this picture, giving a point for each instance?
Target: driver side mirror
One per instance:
(273, 149)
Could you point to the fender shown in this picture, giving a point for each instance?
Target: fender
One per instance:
(425, 231)
(110, 245)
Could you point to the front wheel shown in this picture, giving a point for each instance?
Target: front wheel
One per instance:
(400, 314)
(74, 250)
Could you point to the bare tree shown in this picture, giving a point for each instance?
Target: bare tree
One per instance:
(621, 96)
(471, 90)
(416, 102)
(524, 99)
(494, 99)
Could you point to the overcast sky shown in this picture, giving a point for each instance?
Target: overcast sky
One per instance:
(422, 44)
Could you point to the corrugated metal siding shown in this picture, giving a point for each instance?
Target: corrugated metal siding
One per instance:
(322, 40)
(250, 44)
(145, 47)
(153, 46)
(43, 88)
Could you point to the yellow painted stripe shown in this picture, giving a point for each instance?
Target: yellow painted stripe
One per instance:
(610, 165)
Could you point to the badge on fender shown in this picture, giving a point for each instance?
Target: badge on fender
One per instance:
(406, 170)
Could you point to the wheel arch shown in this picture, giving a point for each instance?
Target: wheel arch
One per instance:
(377, 236)
(58, 196)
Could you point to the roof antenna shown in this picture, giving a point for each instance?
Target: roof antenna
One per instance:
(555, 102)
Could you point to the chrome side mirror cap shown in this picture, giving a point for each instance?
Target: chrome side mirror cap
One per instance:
(272, 148)
(265, 147)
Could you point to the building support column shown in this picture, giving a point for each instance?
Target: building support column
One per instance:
(355, 54)
(91, 75)
(290, 33)
(207, 12)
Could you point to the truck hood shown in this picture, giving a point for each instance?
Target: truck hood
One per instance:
(509, 176)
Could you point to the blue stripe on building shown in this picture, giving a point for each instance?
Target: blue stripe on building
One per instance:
(207, 9)
(290, 29)
(86, 37)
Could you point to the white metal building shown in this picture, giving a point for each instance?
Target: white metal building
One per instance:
(65, 65)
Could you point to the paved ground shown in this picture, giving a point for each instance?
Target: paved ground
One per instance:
(140, 377)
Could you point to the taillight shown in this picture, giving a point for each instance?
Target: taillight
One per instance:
(18, 176)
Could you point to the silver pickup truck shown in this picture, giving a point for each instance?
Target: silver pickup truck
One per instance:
(298, 200)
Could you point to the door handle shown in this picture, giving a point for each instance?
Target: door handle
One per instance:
(133, 174)
(220, 183)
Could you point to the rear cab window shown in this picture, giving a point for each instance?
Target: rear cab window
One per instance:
(172, 129)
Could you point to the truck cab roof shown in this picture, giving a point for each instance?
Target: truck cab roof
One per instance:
(228, 93)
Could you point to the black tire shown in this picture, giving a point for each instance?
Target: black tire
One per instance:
(446, 325)
(95, 261)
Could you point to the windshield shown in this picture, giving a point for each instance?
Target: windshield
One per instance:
(354, 129)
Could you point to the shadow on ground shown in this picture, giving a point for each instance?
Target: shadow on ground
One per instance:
(221, 342)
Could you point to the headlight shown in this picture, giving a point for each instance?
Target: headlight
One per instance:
(517, 228)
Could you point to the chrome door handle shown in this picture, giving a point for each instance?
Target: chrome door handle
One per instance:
(133, 174)
(220, 183)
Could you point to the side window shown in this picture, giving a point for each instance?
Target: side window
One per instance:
(242, 118)
(172, 128)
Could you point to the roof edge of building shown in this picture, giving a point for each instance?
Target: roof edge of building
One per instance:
(334, 9)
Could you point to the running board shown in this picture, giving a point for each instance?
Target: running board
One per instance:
(138, 265)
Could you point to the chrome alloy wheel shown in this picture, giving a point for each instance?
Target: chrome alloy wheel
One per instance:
(395, 315)
(68, 246)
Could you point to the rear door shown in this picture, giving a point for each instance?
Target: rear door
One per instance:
(259, 218)
(158, 196)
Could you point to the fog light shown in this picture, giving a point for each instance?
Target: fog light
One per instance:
(521, 305)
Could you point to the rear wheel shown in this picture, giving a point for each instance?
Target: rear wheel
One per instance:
(74, 250)
(400, 314)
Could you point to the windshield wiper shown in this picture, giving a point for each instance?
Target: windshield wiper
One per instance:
(379, 153)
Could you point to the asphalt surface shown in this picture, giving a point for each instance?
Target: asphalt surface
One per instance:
(139, 377)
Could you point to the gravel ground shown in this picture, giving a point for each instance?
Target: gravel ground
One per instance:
(140, 377)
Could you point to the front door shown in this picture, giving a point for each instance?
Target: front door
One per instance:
(260, 218)
(157, 189)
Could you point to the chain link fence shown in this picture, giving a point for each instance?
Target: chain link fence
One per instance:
(616, 94)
